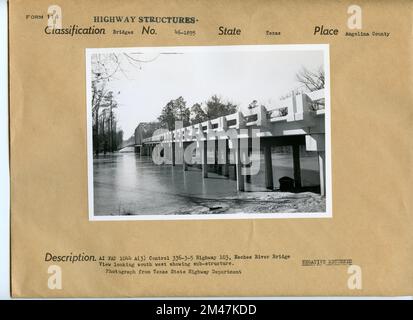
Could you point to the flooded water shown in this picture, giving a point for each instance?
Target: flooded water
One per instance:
(127, 183)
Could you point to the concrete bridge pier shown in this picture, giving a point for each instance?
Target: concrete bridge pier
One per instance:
(296, 166)
(249, 153)
(182, 147)
(184, 164)
(238, 166)
(321, 164)
(316, 142)
(225, 166)
(173, 158)
(217, 167)
(204, 158)
(269, 181)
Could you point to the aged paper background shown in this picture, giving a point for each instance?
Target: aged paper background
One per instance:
(371, 121)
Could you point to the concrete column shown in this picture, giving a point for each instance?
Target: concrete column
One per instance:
(322, 168)
(184, 164)
(248, 177)
(216, 165)
(225, 166)
(297, 167)
(204, 158)
(238, 164)
(173, 153)
(269, 182)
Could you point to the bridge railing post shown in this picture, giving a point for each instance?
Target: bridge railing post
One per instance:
(291, 107)
(240, 120)
(262, 119)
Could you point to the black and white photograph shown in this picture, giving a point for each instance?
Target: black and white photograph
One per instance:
(209, 132)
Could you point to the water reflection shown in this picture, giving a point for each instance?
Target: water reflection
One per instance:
(126, 183)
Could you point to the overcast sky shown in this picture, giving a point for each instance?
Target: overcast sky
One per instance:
(239, 77)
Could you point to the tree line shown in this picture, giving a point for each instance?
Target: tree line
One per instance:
(177, 110)
(107, 137)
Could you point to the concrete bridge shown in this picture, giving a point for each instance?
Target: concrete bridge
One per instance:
(299, 120)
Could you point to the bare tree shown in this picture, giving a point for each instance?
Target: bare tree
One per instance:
(107, 67)
(312, 80)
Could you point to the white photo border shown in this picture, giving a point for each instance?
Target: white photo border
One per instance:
(294, 47)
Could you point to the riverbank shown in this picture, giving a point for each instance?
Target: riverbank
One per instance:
(259, 202)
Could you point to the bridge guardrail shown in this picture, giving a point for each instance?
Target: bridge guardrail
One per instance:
(290, 109)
